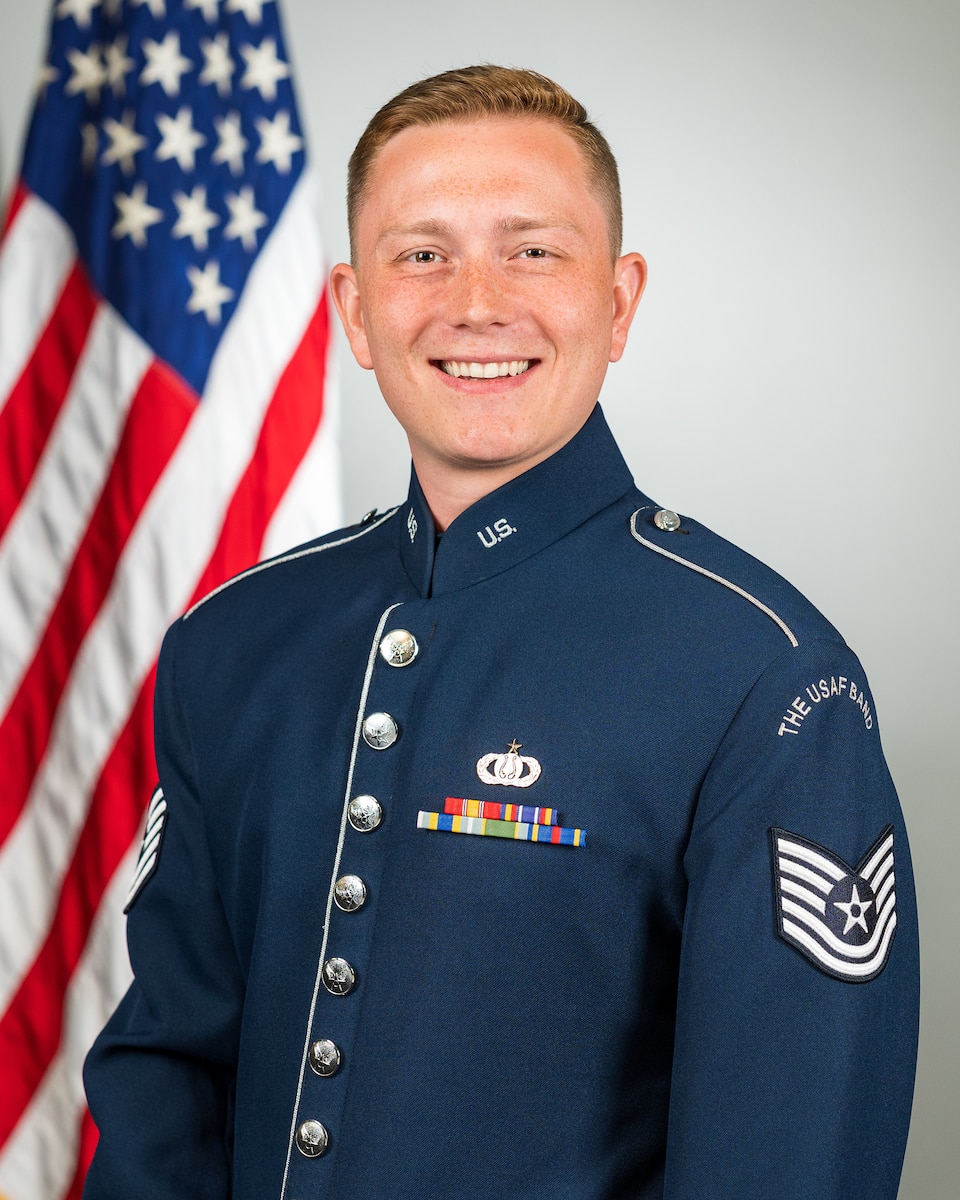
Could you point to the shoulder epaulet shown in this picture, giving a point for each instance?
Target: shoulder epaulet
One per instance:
(669, 522)
(367, 525)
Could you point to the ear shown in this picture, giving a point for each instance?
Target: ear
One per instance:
(630, 278)
(346, 296)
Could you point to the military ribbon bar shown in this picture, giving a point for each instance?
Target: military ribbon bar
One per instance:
(454, 806)
(519, 831)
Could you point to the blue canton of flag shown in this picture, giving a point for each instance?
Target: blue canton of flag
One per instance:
(165, 93)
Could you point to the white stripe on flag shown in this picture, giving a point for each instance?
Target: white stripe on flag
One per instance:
(311, 505)
(158, 570)
(46, 529)
(40, 1157)
(38, 254)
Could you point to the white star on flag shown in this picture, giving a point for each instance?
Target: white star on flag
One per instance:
(88, 74)
(165, 63)
(277, 143)
(245, 218)
(251, 9)
(117, 65)
(180, 140)
(232, 143)
(219, 66)
(854, 918)
(158, 8)
(136, 215)
(124, 142)
(80, 10)
(207, 7)
(47, 74)
(196, 219)
(264, 69)
(209, 294)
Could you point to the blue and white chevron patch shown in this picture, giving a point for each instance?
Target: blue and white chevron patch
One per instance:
(149, 847)
(842, 919)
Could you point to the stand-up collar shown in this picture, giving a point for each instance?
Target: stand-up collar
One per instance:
(517, 520)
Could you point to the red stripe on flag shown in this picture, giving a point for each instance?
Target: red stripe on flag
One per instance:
(31, 1028)
(89, 1136)
(158, 416)
(291, 420)
(20, 194)
(37, 396)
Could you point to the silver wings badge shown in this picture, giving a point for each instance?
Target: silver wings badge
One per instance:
(510, 769)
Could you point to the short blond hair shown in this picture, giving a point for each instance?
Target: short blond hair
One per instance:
(471, 93)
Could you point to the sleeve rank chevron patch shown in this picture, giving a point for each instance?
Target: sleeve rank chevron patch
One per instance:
(842, 919)
(149, 847)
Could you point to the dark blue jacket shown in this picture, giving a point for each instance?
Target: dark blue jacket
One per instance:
(713, 996)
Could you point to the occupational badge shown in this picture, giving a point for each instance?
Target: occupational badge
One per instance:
(150, 846)
(842, 919)
(511, 769)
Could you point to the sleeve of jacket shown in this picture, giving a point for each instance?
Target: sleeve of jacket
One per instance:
(159, 1079)
(798, 1000)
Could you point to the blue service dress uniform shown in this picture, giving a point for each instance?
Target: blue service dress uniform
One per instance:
(669, 950)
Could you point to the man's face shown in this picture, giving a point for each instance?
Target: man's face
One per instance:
(484, 296)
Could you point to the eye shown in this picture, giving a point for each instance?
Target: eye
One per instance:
(424, 256)
(534, 252)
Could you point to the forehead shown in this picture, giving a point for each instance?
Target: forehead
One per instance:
(486, 161)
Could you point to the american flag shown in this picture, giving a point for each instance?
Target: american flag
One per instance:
(163, 338)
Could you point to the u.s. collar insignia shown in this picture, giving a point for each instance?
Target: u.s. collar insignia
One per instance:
(841, 919)
(511, 769)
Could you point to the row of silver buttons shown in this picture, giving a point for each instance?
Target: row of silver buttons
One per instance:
(398, 648)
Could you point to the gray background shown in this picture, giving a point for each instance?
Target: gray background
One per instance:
(791, 173)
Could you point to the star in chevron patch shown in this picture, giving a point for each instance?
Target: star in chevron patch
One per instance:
(149, 847)
(842, 919)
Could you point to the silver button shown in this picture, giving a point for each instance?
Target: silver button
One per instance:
(364, 813)
(349, 892)
(325, 1057)
(399, 648)
(380, 731)
(312, 1139)
(339, 977)
(666, 520)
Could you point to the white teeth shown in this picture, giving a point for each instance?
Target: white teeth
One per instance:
(491, 370)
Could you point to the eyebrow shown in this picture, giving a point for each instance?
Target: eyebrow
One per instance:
(506, 225)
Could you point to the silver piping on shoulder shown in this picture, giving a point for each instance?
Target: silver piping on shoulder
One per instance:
(711, 575)
(275, 562)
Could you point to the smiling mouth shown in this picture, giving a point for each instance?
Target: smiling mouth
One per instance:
(487, 370)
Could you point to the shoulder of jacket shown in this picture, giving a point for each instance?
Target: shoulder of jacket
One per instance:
(704, 555)
(327, 542)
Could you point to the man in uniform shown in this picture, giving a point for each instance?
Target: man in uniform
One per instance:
(528, 839)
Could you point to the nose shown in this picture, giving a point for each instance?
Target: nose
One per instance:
(478, 297)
